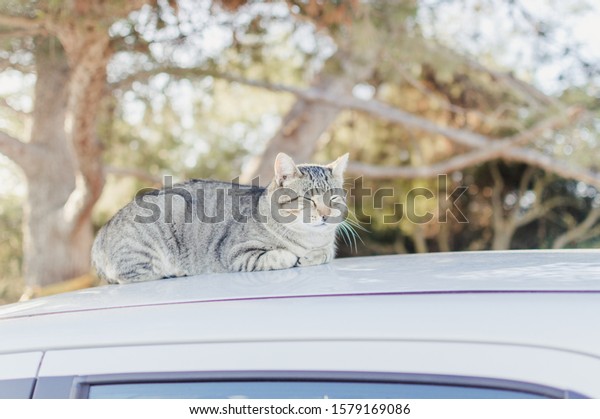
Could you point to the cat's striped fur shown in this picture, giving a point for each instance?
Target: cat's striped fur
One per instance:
(168, 233)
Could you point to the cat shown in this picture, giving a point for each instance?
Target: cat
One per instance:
(204, 226)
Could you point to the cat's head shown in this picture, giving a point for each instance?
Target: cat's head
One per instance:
(309, 196)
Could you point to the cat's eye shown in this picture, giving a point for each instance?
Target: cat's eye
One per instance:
(290, 204)
(337, 199)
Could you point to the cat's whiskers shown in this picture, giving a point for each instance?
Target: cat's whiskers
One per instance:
(353, 220)
(345, 235)
(349, 234)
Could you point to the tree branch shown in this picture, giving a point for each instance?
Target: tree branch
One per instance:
(523, 155)
(145, 75)
(540, 210)
(524, 90)
(577, 232)
(391, 114)
(21, 22)
(429, 171)
(21, 32)
(372, 107)
(594, 233)
(516, 218)
(5, 64)
(506, 149)
(19, 152)
(552, 165)
(375, 108)
(491, 119)
(497, 203)
(493, 149)
(525, 180)
(462, 137)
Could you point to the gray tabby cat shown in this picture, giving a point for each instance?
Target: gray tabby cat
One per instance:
(203, 226)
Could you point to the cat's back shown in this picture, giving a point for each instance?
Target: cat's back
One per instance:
(218, 195)
(193, 185)
(204, 192)
(191, 202)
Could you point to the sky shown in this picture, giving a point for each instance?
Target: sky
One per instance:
(503, 33)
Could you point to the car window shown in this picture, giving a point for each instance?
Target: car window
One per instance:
(299, 390)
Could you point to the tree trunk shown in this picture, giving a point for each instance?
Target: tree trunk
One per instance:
(52, 253)
(62, 161)
(502, 239)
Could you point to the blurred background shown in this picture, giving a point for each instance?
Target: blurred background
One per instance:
(99, 99)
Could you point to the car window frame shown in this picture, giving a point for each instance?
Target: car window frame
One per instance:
(79, 386)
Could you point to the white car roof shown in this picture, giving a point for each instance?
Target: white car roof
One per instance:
(457, 272)
(545, 299)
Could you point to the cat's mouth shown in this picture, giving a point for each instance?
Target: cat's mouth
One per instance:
(321, 224)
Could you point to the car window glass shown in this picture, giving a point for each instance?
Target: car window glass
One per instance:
(298, 390)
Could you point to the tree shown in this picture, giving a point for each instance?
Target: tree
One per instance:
(481, 122)
(61, 159)
(551, 114)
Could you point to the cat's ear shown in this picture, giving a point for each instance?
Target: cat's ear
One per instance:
(338, 167)
(285, 168)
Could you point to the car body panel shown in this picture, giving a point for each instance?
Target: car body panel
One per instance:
(18, 374)
(20, 365)
(526, 319)
(527, 316)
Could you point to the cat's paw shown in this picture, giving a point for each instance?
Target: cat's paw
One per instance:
(315, 257)
(281, 259)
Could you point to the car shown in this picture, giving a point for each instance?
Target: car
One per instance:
(515, 324)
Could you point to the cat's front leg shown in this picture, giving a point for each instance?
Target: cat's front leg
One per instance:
(264, 260)
(275, 259)
(316, 257)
